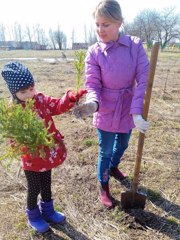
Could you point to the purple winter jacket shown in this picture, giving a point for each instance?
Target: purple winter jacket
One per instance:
(116, 76)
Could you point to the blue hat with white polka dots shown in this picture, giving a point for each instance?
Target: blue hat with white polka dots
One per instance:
(17, 76)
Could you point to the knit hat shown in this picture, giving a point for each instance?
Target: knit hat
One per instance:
(17, 76)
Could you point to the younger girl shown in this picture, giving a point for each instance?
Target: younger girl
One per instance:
(37, 170)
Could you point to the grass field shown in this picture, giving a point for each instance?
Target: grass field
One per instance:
(75, 186)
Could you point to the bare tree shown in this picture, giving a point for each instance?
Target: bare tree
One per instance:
(168, 26)
(73, 36)
(2, 32)
(29, 34)
(52, 39)
(144, 26)
(10, 32)
(18, 34)
(92, 38)
(152, 25)
(40, 36)
(85, 34)
(60, 38)
(132, 29)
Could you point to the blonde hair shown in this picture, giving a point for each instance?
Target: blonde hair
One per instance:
(110, 9)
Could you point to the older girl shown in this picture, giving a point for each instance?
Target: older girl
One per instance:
(116, 69)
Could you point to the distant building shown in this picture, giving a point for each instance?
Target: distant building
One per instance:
(24, 45)
(76, 46)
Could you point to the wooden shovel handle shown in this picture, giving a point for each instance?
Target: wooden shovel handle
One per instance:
(150, 80)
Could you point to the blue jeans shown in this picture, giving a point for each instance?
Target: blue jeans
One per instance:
(111, 149)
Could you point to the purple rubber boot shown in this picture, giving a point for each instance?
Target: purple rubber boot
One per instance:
(36, 221)
(49, 214)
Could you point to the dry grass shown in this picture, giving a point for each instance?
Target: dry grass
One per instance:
(75, 186)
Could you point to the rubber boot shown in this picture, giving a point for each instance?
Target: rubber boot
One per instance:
(49, 214)
(105, 197)
(36, 221)
(117, 174)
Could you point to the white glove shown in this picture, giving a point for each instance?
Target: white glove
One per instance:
(141, 125)
(85, 109)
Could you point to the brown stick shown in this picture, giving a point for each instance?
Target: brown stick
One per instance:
(152, 68)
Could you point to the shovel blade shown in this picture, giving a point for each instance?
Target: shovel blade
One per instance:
(130, 199)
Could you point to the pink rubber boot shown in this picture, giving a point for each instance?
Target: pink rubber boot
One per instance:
(105, 197)
(117, 174)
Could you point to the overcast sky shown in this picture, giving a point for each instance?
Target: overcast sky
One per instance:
(69, 13)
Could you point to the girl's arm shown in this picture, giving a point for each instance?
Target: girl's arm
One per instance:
(61, 105)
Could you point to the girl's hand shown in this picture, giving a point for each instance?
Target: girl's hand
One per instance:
(141, 125)
(85, 109)
(74, 97)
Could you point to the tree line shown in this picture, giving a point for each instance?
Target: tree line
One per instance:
(36, 34)
(150, 25)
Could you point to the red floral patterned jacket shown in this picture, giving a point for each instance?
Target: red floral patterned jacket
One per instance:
(47, 107)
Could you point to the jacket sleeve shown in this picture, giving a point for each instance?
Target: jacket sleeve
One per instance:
(58, 106)
(142, 69)
(93, 77)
